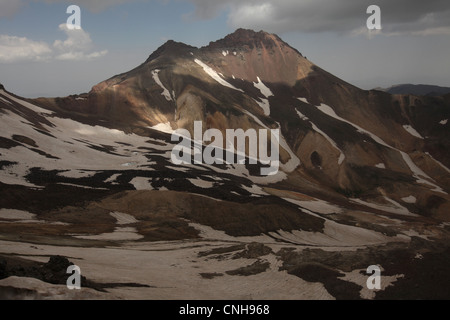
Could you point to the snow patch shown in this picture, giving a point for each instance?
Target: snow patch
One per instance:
(163, 127)
(141, 183)
(410, 199)
(123, 218)
(119, 234)
(213, 74)
(26, 104)
(418, 173)
(412, 131)
(201, 183)
(265, 105)
(396, 208)
(263, 88)
(302, 116)
(113, 178)
(294, 162)
(333, 235)
(331, 141)
(265, 91)
(381, 166)
(444, 122)
(359, 277)
(4, 100)
(304, 100)
(80, 186)
(165, 92)
(179, 168)
(330, 112)
(10, 214)
(255, 190)
(317, 205)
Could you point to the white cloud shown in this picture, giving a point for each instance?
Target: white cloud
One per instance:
(76, 47)
(13, 49)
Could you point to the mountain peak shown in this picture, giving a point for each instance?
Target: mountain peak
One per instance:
(249, 38)
(169, 48)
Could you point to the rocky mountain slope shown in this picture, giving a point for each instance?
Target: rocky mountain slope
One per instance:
(364, 174)
(418, 90)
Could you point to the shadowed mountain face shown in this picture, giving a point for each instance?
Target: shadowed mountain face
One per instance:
(358, 168)
(418, 90)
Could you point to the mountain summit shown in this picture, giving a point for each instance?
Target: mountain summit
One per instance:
(245, 38)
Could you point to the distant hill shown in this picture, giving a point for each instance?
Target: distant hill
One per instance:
(419, 90)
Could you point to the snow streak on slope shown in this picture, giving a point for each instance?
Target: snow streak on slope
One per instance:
(213, 74)
(69, 145)
(331, 141)
(412, 131)
(333, 235)
(4, 100)
(438, 162)
(417, 172)
(410, 199)
(165, 92)
(164, 127)
(264, 104)
(294, 161)
(25, 104)
(263, 88)
(396, 208)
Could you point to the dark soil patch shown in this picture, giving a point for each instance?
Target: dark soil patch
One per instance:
(250, 270)
(5, 164)
(425, 279)
(253, 251)
(50, 198)
(264, 215)
(338, 288)
(6, 143)
(26, 140)
(210, 276)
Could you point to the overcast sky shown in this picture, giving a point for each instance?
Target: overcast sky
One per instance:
(40, 56)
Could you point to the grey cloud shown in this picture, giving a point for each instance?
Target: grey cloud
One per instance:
(92, 5)
(400, 16)
(9, 7)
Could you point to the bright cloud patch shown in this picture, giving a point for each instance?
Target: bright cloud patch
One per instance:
(13, 49)
(76, 47)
